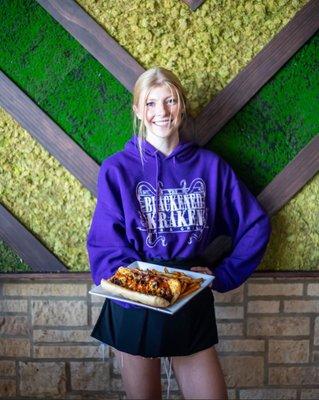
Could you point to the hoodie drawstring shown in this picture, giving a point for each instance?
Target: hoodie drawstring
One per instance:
(157, 191)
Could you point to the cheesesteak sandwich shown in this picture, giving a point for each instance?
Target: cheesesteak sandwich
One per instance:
(143, 286)
(157, 289)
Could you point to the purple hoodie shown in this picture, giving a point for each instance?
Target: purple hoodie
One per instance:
(173, 208)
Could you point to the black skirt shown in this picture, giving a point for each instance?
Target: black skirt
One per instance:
(149, 333)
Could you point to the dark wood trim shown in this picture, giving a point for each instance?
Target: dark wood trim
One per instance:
(48, 133)
(26, 245)
(215, 115)
(38, 276)
(262, 67)
(292, 178)
(86, 276)
(193, 4)
(95, 39)
(227, 102)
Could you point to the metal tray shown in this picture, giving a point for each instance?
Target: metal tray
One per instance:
(207, 280)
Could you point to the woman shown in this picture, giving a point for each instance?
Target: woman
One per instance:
(163, 200)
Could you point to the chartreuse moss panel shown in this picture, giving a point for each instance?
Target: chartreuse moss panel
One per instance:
(43, 195)
(9, 261)
(73, 88)
(295, 233)
(276, 123)
(206, 48)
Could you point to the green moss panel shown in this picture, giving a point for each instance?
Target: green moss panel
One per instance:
(10, 262)
(294, 241)
(43, 195)
(206, 48)
(277, 123)
(53, 69)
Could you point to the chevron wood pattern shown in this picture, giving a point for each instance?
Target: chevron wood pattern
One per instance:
(283, 187)
(48, 133)
(95, 40)
(206, 125)
(26, 245)
(231, 99)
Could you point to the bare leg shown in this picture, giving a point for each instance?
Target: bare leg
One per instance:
(141, 376)
(200, 375)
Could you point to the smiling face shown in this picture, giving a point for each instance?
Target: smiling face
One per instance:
(162, 113)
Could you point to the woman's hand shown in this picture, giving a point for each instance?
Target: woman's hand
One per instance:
(202, 270)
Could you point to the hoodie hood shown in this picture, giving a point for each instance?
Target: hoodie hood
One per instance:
(184, 149)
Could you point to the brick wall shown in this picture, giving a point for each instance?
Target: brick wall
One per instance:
(268, 329)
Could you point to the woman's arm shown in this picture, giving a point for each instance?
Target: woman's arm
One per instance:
(107, 244)
(241, 217)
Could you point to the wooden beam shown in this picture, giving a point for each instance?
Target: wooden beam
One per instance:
(193, 4)
(95, 40)
(292, 178)
(86, 276)
(48, 133)
(227, 102)
(262, 67)
(26, 245)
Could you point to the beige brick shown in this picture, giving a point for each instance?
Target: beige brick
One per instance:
(309, 394)
(275, 289)
(94, 396)
(14, 325)
(7, 388)
(293, 375)
(233, 296)
(313, 289)
(42, 379)
(88, 351)
(45, 289)
(173, 384)
(288, 351)
(263, 306)
(267, 394)
(229, 312)
(89, 375)
(315, 356)
(231, 394)
(14, 347)
(117, 385)
(7, 368)
(233, 345)
(235, 375)
(278, 326)
(55, 335)
(316, 335)
(302, 306)
(230, 328)
(97, 299)
(59, 312)
(13, 305)
(95, 311)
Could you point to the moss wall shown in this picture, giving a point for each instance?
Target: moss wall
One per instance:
(54, 70)
(43, 195)
(295, 235)
(9, 261)
(94, 109)
(206, 48)
(277, 123)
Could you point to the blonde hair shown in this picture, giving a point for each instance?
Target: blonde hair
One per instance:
(151, 78)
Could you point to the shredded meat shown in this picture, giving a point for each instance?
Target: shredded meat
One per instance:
(144, 282)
